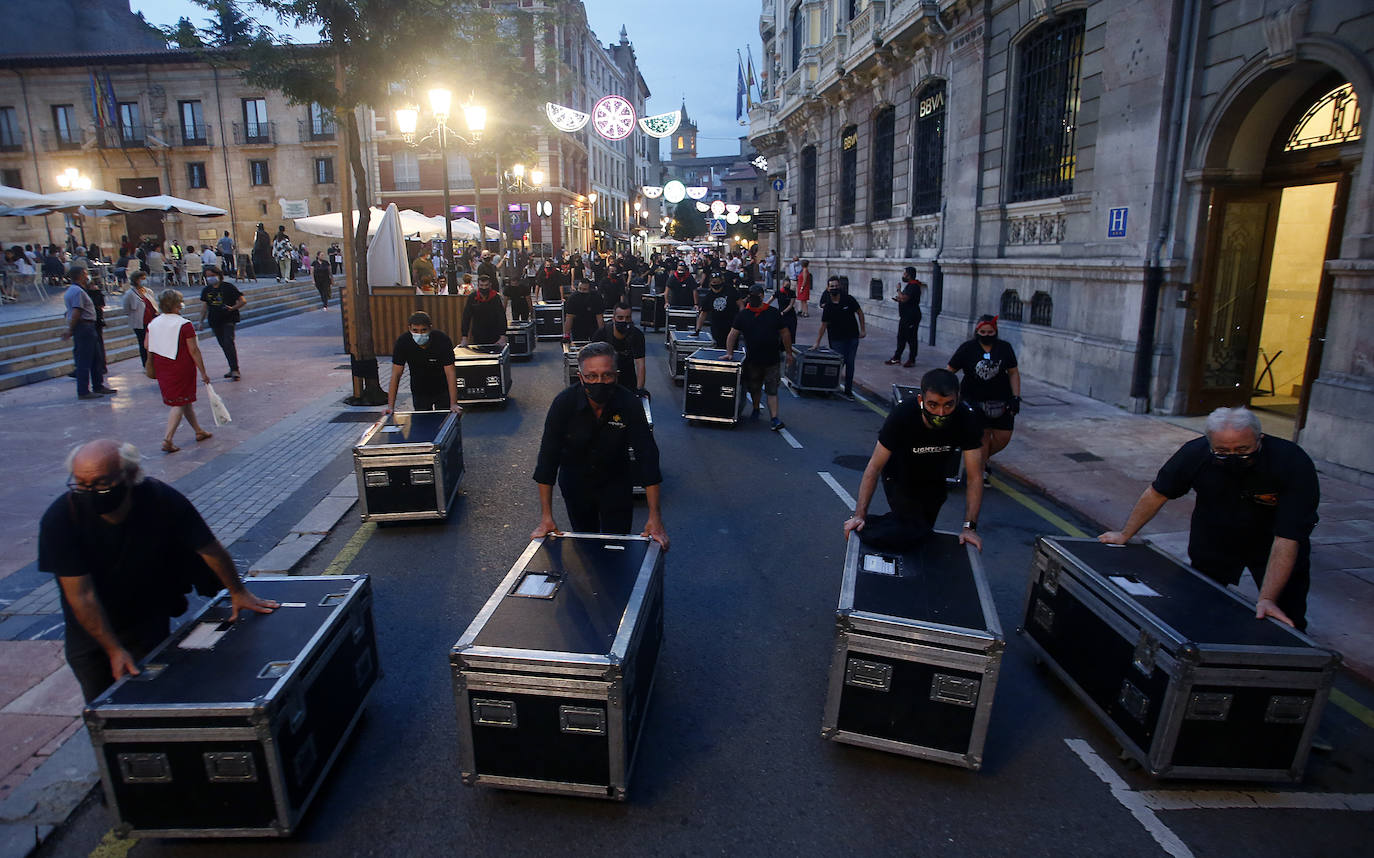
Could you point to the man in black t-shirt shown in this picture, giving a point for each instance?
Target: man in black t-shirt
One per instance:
(843, 319)
(221, 301)
(582, 313)
(766, 336)
(912, 458)
(612, 286)
(628, 342)
(550, 282)
(1256, 507)
(717, 307)
(908, 300)
(681, 288)
(484, 319)
(126, 550)
(429, 354)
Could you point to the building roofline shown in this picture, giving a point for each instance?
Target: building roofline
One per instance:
(170, 56)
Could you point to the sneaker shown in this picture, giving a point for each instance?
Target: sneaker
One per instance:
(229, 375)
(776, 425)
(106, 391)
(909, 364)
(892, 361)
(89, 396)
(234, 376)
(754, 415)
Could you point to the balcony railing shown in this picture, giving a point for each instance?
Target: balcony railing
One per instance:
(194, 135)
(255, 133)
(315, 132)
(406, 184)
(865, 28)
(123, 137)
(12, 141)
(54, 141)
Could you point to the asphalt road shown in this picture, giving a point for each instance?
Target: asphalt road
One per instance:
(731, 761)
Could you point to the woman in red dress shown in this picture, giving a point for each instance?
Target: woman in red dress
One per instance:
(804, 288)
(176, 358)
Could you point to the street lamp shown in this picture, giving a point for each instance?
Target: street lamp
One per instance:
(72, 179)
(513, 181)
(440, 103)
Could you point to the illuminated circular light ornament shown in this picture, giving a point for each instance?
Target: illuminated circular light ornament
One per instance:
(674, 192)
(697, 193)
(613, 117)
(717, 208)
(565, 118)
(732, 217)
(652, 192)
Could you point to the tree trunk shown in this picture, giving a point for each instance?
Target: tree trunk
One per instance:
(365, 350)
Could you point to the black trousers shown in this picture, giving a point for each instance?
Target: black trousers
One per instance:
(520, 308)
(608, 511)
(916, 506)
(429, 402)
(224, 335)
(1226, 566)
(92, 665)
(908, 335)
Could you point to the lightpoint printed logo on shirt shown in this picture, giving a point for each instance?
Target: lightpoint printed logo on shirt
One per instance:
(718, 304)
(987, 368)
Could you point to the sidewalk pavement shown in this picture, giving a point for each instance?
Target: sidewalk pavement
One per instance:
(51, 307)
(1096, 459)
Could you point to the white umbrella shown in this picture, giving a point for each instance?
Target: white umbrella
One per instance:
(98, 199)
(387, 263)
(466, 227)
(170, 203)
(331, 225)
(18, 198)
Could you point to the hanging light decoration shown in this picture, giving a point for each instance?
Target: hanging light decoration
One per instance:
(674, 192)
(703, 208)
(697, 193)
(732, 217)
(662, 124)
(732, 207)
(565, 118)
(717, 208)
(613, 117)
(652, 192)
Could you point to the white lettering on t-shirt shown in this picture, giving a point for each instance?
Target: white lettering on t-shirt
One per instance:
(945, 448)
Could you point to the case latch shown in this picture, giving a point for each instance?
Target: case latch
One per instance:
(1208, 706)
(1287, 709)
(1143, 659)
(590, 720)
(230, 767)
(862, 673)
(957, 690)
(145, 768)
(494, 713)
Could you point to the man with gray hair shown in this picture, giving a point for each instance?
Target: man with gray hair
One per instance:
(126, 549)
(1255, 509)
(590, 432)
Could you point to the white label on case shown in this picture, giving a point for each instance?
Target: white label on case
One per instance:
(391, 428)
(1135, 588)
(879, 565)
(205, 635)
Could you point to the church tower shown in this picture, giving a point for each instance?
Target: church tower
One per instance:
(685, 137)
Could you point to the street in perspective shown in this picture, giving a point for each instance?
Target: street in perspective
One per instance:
(947, 438)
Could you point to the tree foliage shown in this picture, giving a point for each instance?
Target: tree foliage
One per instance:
(183, 35)
(688, 223)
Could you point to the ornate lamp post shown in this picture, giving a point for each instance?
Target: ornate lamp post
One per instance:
(72, 179)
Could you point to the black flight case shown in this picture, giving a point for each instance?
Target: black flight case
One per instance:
(637, 293)
(648, 418)
(652, 312)
(682, 318)
(1175, 665)
(552, 679)
(548, 321)
(955, 474)
(918, 648)
(520, 336)
(680, 345)
(483, 374)
(713, 387)
(818, 370)
(570, 368)
(230, 728)
(408, 465)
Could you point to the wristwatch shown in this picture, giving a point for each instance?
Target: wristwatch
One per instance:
(971, 525)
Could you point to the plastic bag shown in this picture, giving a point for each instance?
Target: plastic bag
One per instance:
(218, 409)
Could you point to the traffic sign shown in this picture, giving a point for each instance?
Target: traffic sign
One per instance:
(778, 184)
(766, 220)
(718, 227)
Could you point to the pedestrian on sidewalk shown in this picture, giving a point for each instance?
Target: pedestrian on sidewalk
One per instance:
(784, 297)
(843, 319)
(140, 308)
(992, 384)
(221, 302)
(177, 360)
(908, 300)
(262, 253)
(324, 278)
(225, 248)
(589, 432)
(282, 253)
(803, 280)
(766, 339)
(117, 604)
(82, 331)
(1256, 507)
(628, 342)
(429, 355)
(484, 318)
(912, 459)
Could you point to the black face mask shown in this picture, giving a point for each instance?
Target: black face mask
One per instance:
(622, 327)
(835, 292)
(598, 391)
(1235, 463)
(101, 503)
(754, 301)
(987, 341)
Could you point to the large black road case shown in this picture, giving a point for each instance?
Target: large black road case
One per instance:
(637, 293)
(552, 679)
(713, 387)
(648, 418)
(955, 473)
(918, 648)
(653, 312)
(520, 336)
(408, 465)
(818, 370)
(570, 367)
(682, 318)
(483, 374)
(1175, 665)
(230, 728)
(680, 345)
(548, 321)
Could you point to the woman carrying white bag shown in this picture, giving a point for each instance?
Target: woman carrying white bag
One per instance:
(176, 356)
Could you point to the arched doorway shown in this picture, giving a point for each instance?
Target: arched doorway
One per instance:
(1274, 216)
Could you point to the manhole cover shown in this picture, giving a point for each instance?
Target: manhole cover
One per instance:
(1083, 457)
(356, 417)
(853, 463)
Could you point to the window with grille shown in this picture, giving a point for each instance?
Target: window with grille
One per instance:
(195, 174)
(1010, 309)
(884, 141)
(64, 126)
(849, 169)
(928, 170)
(321, 122)
(1042, 309)
(1049, 64)
(258, 173)
(807, 215)
(130, 123)
(255, 127)
(324, 171)
(193, 130)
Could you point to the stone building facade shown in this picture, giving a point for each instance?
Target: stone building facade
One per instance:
(1164, 200)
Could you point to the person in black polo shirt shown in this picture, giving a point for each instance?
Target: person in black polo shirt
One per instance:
(843, 319)
(582, 313)
(588, 435)
(718, 307)
(628, 342)
(1256, 507)
(681, 288)
(766, 336)
(912, 458)
(429, 354)
(484, 318)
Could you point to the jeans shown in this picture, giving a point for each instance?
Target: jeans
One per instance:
(142, 335)
(224, 334)
(849, 350)
(86, 353)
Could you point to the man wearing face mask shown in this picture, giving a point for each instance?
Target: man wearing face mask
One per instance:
(912, 458)
(484, 318)
(718, 306)
(628, 342)
(126, 549)
(843, 319)
(1256, 507)
(588, 435)
(766, 337)
(429, 355)
(582, 313)
(221, 301)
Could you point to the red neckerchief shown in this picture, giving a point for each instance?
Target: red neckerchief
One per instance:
(477, 295)
(757, 311)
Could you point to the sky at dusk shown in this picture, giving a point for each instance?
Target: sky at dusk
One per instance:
(680, 57)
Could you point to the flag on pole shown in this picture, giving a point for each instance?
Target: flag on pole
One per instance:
(751, 81)
(102, 100)
(739, 89)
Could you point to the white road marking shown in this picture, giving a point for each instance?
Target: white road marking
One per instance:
(1229, 799)
(1130, 799)
(837, 488)
(790, 389)
(796, 445)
